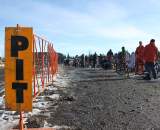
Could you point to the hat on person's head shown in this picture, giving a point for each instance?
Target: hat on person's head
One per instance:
(152, 40)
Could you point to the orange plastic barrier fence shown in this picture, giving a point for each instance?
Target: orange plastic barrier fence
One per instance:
(45, 64)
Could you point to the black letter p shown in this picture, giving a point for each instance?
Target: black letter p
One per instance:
(18, 43)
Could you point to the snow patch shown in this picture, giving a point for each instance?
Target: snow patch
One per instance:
(55, 96)
(1, 101)
(61, 127)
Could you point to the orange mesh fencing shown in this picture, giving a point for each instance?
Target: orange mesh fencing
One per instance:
(45, 64)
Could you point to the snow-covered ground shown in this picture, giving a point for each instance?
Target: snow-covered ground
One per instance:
(10, 119)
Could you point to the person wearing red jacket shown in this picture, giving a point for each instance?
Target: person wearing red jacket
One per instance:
(139, 66)
(150, 57)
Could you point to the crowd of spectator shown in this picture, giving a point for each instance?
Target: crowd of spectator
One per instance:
(143, 60)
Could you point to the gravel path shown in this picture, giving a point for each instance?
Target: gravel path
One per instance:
(96, 99)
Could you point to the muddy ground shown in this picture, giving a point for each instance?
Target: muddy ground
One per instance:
(96, 99)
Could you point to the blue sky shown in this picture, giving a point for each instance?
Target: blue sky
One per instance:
(83, 26)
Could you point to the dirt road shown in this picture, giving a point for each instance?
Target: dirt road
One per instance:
(94, 99)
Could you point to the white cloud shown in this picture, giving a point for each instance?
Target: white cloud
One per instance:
(107, 11)
(97, 20)
(123, 32)
(46, 16)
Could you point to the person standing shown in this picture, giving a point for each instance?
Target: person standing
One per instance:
(110, 55)
(131, 64)
(123, 59)
(94, 60)
(150, 57)
(139, 67)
